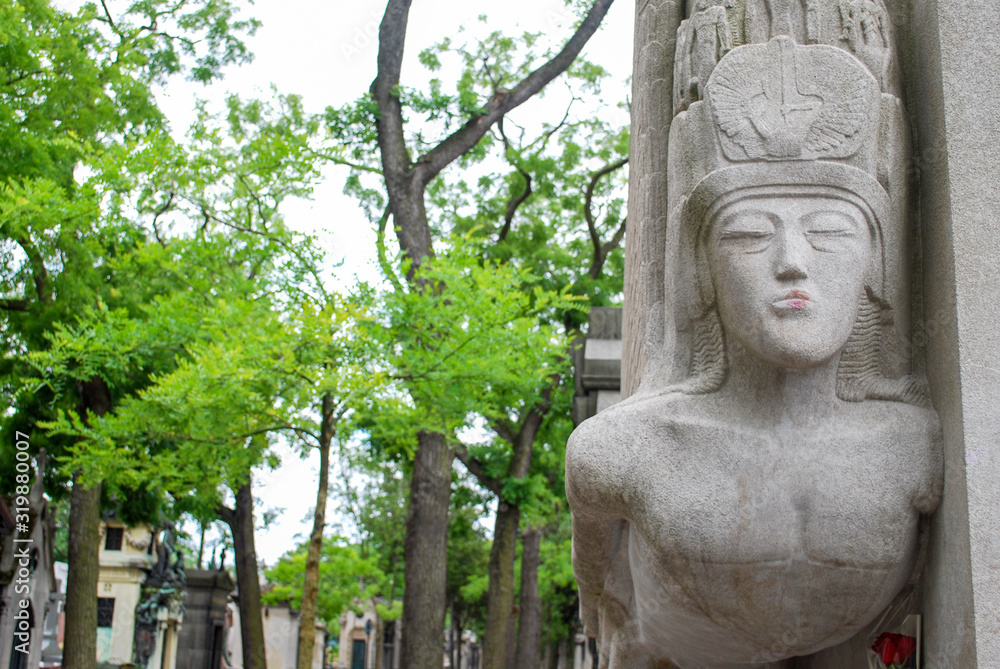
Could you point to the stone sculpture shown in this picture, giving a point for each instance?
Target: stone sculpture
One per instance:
(164, 591)
(763, 503)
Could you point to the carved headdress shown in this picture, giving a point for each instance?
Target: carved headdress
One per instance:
(787, 119)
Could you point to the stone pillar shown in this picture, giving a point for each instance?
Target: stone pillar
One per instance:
(597, 364)
(954, 82)
(644, 330)
(784, 112)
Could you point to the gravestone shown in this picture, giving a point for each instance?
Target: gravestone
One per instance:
(808, 324)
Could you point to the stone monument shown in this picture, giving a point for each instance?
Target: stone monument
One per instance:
(764, 495)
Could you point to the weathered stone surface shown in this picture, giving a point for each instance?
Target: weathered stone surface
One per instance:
(760, 495)
(955, 100)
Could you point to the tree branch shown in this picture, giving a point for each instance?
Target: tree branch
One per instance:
(383, 259)
(458, 143)
(226, 515)
(514, 202)
(389, 125)
(39, 274)
(337, 160)
(600, 252)
(8, 304)
(164, 208)
(406, 197)
(598, 264)
(525, 441)
(21, 77)
(476, 469)
(111, 21)
(504, 430)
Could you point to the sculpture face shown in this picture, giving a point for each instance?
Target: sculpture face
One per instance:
(789, 273)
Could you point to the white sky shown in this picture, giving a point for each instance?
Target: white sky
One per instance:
(325, 50)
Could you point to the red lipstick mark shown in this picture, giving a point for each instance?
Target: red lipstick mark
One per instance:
(797, 300)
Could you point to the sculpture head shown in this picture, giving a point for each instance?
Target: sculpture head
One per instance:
(788, 273)
(790, 225)
(788, 259)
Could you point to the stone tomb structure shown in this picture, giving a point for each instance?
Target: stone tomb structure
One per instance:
(597, 363)
(201, 643)
(805, 450)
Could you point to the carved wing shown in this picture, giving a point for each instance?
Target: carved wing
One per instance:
(836, 122)
(732, 112)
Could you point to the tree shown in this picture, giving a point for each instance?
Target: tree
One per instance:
(53, 226)
(468, 560)
(406, 183)
(554, 206)
(345, 578)
(488, 346)
(575, 169)
(372, 492)
(198, 427)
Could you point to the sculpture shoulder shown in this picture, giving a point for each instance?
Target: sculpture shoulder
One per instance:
(605, 452)
(902, 418)
(912, 441)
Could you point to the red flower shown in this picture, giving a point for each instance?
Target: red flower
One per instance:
(894, 649)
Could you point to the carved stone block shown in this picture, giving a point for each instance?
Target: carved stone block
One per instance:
(760, 496)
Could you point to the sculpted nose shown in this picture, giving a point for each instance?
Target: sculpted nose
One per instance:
(790, 260)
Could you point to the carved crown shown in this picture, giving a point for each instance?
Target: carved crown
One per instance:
(782, 101)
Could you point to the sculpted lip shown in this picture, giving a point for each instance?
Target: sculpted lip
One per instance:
(794, 300)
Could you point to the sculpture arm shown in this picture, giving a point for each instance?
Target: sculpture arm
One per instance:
(931, 488)
(598, 516)
(595, 544)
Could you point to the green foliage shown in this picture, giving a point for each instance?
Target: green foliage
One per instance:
(347, 580)
(463, 340)
(548, 235)
(556, 583)
(468, 558)
(215, 336)
(166, 269)
(76, 108)
(372, 493)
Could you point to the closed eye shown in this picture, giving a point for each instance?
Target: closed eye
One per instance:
(747, 225)
(830, 224)
(833, 232)
(746, 234)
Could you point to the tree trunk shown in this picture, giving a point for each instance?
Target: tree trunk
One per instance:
(511, 638)
(379, 642)
(551, 656)
(426, 550)
(500, 599)
(310, 587)
(80, 647)
(529, 631)
(456, 640)
(201, 546)
(240, 521)
(406, 181)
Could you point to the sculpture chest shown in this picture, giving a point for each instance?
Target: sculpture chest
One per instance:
(728, 496)
(793, 533)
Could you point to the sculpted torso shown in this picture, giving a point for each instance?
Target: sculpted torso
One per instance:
(757, 502)
(737, 525)
(752, 514)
